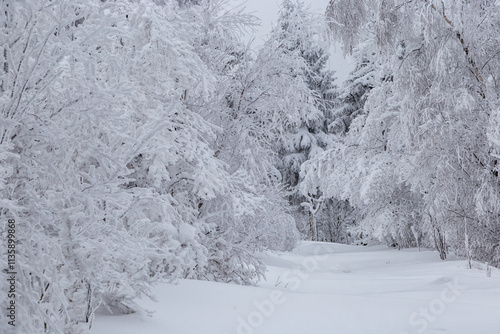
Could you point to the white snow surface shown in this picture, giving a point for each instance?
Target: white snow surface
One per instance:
(328, 288)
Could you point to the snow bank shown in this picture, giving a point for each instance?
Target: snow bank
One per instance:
(328, 288)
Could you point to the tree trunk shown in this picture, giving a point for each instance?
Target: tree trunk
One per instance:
(314, 236)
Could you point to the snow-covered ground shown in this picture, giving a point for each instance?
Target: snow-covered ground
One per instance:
(329, 288)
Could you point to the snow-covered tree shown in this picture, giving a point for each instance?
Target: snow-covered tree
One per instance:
(107, 165)
(354, 92)
(426, 128)
(302, 36)
(253, 216)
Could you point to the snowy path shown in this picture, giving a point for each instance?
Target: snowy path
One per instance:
(329, 288)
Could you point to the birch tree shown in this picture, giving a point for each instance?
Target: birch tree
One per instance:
(439, 97)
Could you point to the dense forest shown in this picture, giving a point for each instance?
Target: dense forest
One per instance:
(145, 140)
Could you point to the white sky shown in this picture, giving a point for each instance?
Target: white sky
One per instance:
(267, 12)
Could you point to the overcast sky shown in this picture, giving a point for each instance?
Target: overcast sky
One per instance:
(267, 12)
